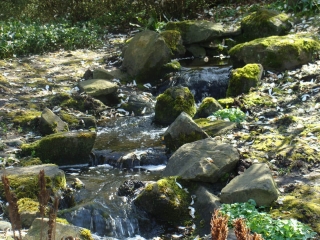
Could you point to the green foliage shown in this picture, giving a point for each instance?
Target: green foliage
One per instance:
(301, 7)
(233, 114)
(18, 38)
(262, 223)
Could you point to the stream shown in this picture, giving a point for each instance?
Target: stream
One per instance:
(99, 208)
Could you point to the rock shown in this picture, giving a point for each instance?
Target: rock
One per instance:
(196, 50)
(255, 183)
(183, 130)
(61, 231)
(51, 123)
(265, 23)
(139, 105)
(129, 187)
(174, 41)
(109, 74)
(88, 75)
(172, 102)
(214, 128)
(4, 225)
(201, 31)
(62, 148)
(145, 55)
(242, 79)
(29, 211)
(205, 160)
(24, 180)
(165, 201)
(278, 53)
(208, 106)
(205, 202)
(104, 90)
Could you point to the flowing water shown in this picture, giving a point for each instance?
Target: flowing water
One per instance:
(99, 208)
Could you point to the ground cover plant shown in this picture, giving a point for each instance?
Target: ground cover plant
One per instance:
(233, 114)
(262, 223)
(22, 38)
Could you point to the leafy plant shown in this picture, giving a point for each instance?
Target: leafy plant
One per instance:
(233, 114)
(21, 38)
(262, 223)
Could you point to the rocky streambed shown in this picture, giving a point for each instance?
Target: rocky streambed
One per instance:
(281, 130)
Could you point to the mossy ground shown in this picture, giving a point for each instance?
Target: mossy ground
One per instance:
(302, 204)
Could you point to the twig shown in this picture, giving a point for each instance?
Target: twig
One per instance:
(43, 197)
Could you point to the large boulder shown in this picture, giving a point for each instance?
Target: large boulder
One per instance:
(62, 231)
(24, 180)
(202, 31)
(242, 79)
(265, 23)
(276, 52)
(51, 123)
(172, 102)
(206, 160)
(255, 183)
(166, 201)
(62, 148)
(145, 55)
(183, 130)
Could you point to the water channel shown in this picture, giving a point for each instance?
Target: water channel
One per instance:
(99, 208)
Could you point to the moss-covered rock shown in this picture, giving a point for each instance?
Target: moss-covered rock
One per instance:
(242, 79)
(29, 210)
(166, 201)
(195, 31)
(62, 148)
(265, 23)
(182, 130)
(207, 107)
(172, 102)
(226, 102)
(214, 128)
(174, 41)
(276, 52)
(24, 180)
(51, 123)
(173, 66)
(61, 231)
(302, 204)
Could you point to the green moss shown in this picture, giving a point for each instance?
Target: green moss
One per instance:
(27, 118)
(28, 205)
(262, 24)
(62, 142)
(30, 162)
(62, 220)
(85, 234)
(242, 79)
(302, 204)
(69, 118)
(277, 51)
(172, 102)
(214, 128)
(226, 102)
(166, 201)
(173, 40)
(257, 99)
